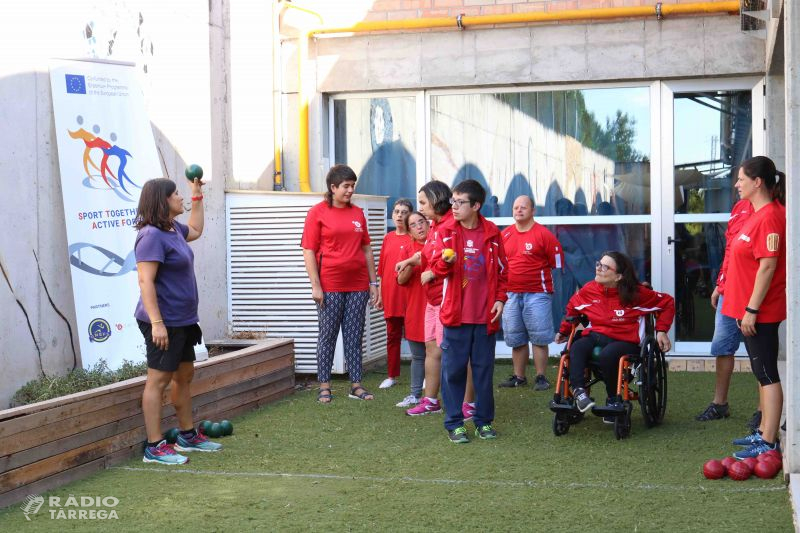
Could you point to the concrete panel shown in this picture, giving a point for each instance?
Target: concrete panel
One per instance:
(615, 50)
(448, 59)
(395, 64)
(339, 59)
(506, 53)
(727, 50)
(559, 53)
(662, 40)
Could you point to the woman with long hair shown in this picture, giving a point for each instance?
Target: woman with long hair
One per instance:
(755, 292)
(615, 304)
(338, 259)
(167, 313)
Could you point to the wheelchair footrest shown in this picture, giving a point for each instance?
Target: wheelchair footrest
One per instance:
(608, 410)
(562, 407)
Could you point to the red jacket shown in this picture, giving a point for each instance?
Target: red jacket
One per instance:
(449, 235)
(609, 317)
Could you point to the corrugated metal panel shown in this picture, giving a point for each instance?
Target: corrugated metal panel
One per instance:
(269, 290)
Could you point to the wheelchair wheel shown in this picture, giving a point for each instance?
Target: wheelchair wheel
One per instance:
(653, 389)
(560, 425)
(622, 423)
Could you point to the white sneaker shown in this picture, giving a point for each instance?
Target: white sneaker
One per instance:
(408, 401)
(386, 383)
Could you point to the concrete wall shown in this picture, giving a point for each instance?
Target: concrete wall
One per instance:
(641, 49)
(169, 42)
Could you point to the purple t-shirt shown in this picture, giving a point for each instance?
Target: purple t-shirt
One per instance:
(176, 286)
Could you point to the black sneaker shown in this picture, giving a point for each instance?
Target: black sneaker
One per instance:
(755, 421)
(582, 400)
(714, 412)
(514, 381)
(458, 435)
(541, 383)
(485, 432)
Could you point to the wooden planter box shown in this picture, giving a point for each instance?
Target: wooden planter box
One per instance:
(49, 444)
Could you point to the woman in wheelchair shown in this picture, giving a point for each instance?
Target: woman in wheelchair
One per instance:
(616, 305)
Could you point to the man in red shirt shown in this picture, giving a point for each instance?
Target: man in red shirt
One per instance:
(532, 253)
(469, 256)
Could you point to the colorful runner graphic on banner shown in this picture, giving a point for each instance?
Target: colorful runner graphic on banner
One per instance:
(106, 152)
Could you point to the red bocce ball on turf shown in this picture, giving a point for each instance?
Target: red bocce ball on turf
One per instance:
(713, 469)
(739, 471)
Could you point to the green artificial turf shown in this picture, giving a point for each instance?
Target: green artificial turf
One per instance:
(364, 466)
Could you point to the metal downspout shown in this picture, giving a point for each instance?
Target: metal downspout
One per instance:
(659, 10)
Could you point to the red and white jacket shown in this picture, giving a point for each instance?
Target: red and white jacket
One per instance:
(449, 235)
(607, 315)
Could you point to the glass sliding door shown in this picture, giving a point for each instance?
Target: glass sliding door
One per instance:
(712, 133)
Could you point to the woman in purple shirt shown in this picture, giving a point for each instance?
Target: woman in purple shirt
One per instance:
(167, 313)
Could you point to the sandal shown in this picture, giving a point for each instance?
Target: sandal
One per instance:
(363, 395)
(324, 396)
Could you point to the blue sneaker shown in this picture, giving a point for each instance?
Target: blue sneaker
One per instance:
(749, 440)
(755, 450)
(458, 435)
(198, 443)
(163, 453)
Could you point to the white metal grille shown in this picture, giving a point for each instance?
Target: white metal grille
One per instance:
(268, 288)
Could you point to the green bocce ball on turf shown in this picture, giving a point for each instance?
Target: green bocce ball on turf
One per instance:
(203, 426)
(227, 428)
(214, 431)
(194, 171)
(171, 436)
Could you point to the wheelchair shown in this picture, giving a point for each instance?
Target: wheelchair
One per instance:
(641, 377)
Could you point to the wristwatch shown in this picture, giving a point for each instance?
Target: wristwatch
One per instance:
(375, 283)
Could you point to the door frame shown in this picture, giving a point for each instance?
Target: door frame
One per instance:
(663, 228)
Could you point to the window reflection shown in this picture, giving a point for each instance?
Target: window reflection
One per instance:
(713, 135)
(376, 137)
(579, 152)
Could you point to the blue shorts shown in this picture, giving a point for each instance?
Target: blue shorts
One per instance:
(528, 317)
(727, 335)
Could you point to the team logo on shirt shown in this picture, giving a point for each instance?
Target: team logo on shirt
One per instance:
(773, 242)
(528, 246)
(744, 238)
(469, 243)
(619, 312)
(358, 227)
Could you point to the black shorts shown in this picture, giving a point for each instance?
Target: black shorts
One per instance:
(763, 352)
(181, 346)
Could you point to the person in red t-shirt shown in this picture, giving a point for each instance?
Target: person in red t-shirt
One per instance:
(338, 259)
(469, 255)
(532, 253)
(416, 302)
(393, 296)
(615, 304)
(727, 335)
(755, 292)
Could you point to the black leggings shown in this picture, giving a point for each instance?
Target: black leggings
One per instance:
(763, 352)
(580, 353)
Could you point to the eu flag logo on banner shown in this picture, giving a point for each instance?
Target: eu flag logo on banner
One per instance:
(76, 84)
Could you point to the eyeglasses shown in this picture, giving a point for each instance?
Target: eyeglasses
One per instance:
(418, 224)
(603, 268)
(458, 203)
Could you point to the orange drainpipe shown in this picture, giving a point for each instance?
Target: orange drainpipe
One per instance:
(463, 21)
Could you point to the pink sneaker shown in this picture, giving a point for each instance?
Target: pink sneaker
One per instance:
(467, 410)
(425, 407)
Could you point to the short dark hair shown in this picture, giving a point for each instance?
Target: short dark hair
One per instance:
(474, 191)
(438, 195)
(764, 168)
(337, 175)
(405, 202)
(153, 207)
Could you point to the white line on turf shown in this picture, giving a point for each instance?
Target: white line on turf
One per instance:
(495, 483)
